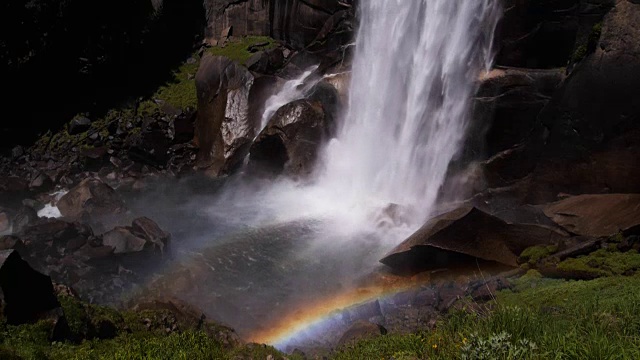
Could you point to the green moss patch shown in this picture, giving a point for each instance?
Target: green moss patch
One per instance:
(536, 253)
(601, 263)
(238, 49)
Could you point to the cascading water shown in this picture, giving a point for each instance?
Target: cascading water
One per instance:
(414, 74)
(292, 90)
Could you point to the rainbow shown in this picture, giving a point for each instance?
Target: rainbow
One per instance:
(316, 319)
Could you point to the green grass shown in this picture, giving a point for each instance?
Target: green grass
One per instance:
(180, 92)
(545, 319)
(238, 49)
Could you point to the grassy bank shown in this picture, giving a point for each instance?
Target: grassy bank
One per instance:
(540, 319)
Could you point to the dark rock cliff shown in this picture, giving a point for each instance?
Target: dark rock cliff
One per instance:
(296, 22)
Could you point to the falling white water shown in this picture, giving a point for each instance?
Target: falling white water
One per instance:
(292, 90)
(413, 78)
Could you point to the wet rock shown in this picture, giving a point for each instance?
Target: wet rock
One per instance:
(122, 240)
(144, 234)
(224, 130)
(28, 294)
(149, 230)
(361, 330)
(597, 215)
(464, 234)
(91, 196)
(290, 142)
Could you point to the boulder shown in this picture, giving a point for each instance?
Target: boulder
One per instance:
(91, 196)
(28, 294)
(150, 231)
(597, 215)
(143, 235)
(290, 142)
(361, 330)
(224, 130)
(464, 234)
(78, 125)
(266, 62)
(122, 240)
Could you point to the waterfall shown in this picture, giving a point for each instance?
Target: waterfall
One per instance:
(414, 76)
(415, 71)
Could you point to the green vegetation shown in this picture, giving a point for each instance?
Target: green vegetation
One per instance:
(589, 45)
(179, 92)
(603, 262)
(536, 253)
(137, 335)
(238, 49)
(544, 319)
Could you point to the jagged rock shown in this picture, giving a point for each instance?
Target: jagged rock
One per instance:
(466, 233)
(597, 215)
(290, 142)
(91, 196)
(149, 230)
(122, 240)
(361, 330)
(144, 234)
(224, 130)
(28, 294)
(266, 62)
(79, 125)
